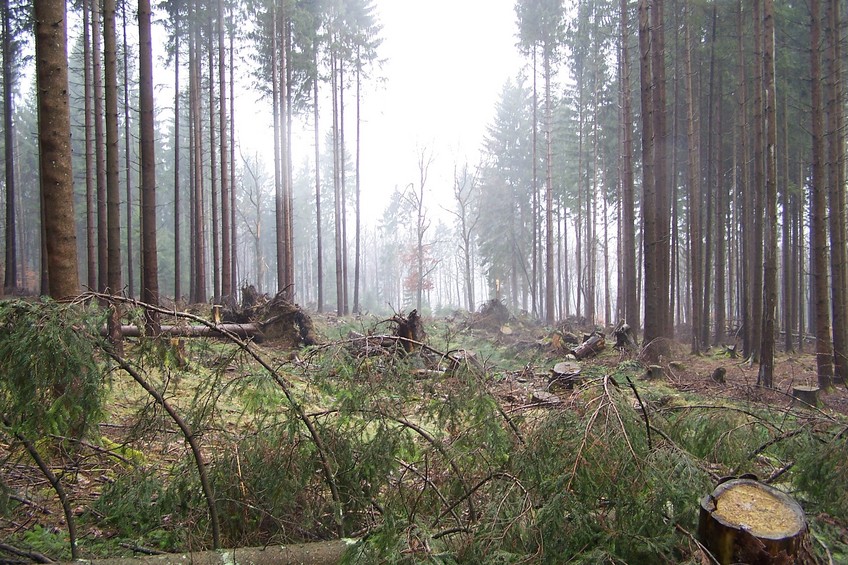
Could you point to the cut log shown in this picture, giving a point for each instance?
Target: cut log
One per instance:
(239, 330)
(316, 553)
(746, 521)
(807, 394)
(593, 345)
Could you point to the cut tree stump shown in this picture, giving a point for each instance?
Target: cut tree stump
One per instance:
(719, 375)
(746, 521)
(624, 338)
(653, 372)
(806, 394)
(564, 375)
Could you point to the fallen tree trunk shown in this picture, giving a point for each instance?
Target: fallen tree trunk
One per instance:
(239, 330)
(317, 553)
(593, 345)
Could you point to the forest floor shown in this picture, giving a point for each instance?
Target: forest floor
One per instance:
(517, 353)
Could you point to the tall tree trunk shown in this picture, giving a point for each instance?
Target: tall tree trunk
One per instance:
(338, 162)
(213, 170)
(836, 192)
(694, 149)
(318, 242)
(755, 250)
(198, 216)
(713, 182)
(766, 373)
(653, 325)
(534, 285)
(628, 218)
(276, 51)
(54, 135)
(233, 226)
(818, 214)
(286, 132)
(661, 171)
(356, 307)
(90, 172)
(177, 138)
(786, 238)
(343, 187)
(10, 280)
(147, 132)
(550, 305)
(128, 162)
(113, 196)
(227, 289)
(744, 188)
(99, 153)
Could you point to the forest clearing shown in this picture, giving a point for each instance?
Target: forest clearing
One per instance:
(465, 446)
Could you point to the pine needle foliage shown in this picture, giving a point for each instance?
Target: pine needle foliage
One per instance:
(50, 382)
(599, 489)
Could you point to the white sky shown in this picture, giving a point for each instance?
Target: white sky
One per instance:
(445, 63)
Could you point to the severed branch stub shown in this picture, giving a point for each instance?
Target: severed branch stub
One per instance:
(746, 521)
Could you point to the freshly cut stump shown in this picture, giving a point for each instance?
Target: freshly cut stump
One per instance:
(745, 521)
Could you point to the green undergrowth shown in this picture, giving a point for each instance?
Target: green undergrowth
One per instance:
(424, 456)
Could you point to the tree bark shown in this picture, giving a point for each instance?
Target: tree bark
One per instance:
(113, 197)
(147, 132)
(818, 214)
(693, 146)
(836, 192)
(628, 219)
(99, 153)
(10, 275)
(54, 133)
(769, 327)
(227, 288)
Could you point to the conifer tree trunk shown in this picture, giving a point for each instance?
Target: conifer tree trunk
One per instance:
(90, 180)
(10, 280)
(836, 193)
(318, 241)
(693, 146)
(197, 188)
(99, 153)
(550, 305)
(113, 197)
(278, 181)
(357, 235)
(128, 163)
(818, 213)
(628, 219)
(755, 249)
(227, 289)
(177, 143)
(213, 169)
(147, 132)
(54, 134)
(233, 226)
(766, 372)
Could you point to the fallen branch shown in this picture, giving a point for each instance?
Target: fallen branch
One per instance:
(31, 555)
(316, 553)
